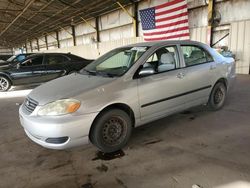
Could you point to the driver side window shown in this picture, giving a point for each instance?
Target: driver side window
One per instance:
(164, 59)
(33, 61)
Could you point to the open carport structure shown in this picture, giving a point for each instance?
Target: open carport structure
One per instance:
(196, 148)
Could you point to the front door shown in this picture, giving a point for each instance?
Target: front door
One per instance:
(30, 71)
(163, 92)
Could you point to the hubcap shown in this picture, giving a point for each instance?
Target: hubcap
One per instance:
(4, 84)
(218, 96)
(114, 131)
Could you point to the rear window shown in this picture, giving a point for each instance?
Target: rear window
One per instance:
(75, 57)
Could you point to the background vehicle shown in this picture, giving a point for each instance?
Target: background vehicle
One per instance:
(40, 68)
(125, 88)
(13, 60)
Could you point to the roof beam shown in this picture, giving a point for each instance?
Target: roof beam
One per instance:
(45, 6)
(16, 18)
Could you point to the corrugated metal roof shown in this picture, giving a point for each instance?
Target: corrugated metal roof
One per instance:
(21, 20)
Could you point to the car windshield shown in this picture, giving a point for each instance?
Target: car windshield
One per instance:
(115, 62)
(11, 58)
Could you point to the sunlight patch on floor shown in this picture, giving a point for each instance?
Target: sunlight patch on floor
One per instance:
(13, 94)
(238, 184)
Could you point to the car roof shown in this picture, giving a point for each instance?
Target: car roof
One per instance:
(167, 42)
(40, 54)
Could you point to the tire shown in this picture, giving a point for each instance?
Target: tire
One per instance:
(217, 97)
(5, 84)
(111, 131)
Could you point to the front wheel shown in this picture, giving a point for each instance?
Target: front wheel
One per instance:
(111, 131)
(4, 84)
(217, 97)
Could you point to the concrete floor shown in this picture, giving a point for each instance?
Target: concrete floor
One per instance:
(195, 147)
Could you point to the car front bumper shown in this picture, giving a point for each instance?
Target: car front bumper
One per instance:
(75, 128)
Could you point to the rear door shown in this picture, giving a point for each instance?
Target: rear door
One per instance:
(199, 68)
(56, 65)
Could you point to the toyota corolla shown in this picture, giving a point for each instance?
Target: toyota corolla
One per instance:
(125, 88)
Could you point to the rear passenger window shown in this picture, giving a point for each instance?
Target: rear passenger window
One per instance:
(194, 55)
(55, 59)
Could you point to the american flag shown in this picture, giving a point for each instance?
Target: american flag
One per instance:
(168, 21)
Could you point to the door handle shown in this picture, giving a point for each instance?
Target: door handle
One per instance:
(212, 67)
(180, 75)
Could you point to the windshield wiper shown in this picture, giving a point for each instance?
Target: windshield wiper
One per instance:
(90, 72)
(106, 74)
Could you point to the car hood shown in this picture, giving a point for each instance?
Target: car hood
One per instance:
(67, 87)
(4, 64)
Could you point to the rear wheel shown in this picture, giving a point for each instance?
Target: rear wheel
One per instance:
(217, 96)
(4, 84)
(111, 131)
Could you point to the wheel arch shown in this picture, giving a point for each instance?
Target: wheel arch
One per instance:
(222, 80)
(6, 76)
(122, 106)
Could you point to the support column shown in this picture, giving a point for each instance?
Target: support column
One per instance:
(73, 35)
(26, 49)
(210, 22)
(37, 42)
(46, 41)
(136, 26)
(57, 39)
(31, 48)
(97, 29)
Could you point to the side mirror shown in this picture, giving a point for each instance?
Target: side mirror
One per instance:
(146, 71)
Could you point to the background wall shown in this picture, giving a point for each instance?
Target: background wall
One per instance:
(5, 53)
(116, 29)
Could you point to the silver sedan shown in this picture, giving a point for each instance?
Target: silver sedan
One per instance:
(123, 89)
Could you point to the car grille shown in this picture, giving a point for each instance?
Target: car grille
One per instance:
(30, 105)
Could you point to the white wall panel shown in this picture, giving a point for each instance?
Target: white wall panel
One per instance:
(85, 28)
(52, 42)
(42, 44)
(117, 33)
(34, 45)
(86, 39)
(115, 19)
(6, 51)
(240, 45)
(199, 34)
(65, 33)
(66, 43)
(109, 45)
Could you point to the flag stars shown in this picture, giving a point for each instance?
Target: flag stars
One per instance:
(148, 18)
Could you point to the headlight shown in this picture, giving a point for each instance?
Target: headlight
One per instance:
(60, 107)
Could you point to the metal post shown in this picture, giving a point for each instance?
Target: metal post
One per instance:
(46, 41)
(97, 29)
(73, 35)
(31, 49)
(210, 22)
(136, 19)
(37, 42)
(26, 49)
(57, 39)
